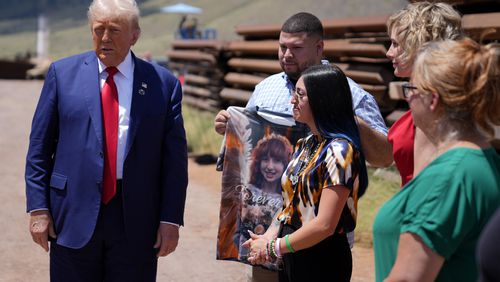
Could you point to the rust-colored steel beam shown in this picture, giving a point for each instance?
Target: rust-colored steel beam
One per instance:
(375, 90)
(365, 60)
(205, 104)
(198, 44)
(197, 79)
(259, 31)
(191, 55)
(343, 47)
(235, 94)
(267, 66)
(333, 47)
(374, 75)
(264, 47)
(369, 74)
(245, 80)
(475, 24)
(198, 91)
(192, 67)
(355, 24)
(331, 27)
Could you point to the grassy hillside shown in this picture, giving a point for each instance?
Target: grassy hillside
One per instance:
(70, 33)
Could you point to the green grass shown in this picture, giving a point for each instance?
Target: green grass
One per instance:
(200, 133)
(380, 189)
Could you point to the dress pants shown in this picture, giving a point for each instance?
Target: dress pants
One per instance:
(329, 260)
(107, 256)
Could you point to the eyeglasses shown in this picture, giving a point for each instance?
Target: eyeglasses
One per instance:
(407, 89)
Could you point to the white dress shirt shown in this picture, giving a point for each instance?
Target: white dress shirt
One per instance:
(124, 80)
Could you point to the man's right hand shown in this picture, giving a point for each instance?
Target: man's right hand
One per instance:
(220, 122)
(41, 227)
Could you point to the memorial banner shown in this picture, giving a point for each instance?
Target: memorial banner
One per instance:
(255, 152)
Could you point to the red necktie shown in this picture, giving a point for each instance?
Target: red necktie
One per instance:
(109, 99)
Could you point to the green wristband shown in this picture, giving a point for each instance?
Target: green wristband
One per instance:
(288, 246)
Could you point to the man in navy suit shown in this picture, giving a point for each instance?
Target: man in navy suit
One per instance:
(106, 171)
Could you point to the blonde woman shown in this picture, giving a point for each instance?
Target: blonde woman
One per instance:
(409, 29)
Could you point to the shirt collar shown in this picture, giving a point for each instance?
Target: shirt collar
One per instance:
(288, 82)
(126, 67)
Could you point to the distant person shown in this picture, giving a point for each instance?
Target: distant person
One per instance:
(301, 46)
(188, 27)
(106, 171)
(182, 31)
(320, 185)
(429, 230)
(182, 21)
(409, 29)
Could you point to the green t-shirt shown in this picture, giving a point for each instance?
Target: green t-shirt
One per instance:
(447, 206)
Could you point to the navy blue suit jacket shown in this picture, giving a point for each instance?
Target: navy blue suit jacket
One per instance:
(64, 168)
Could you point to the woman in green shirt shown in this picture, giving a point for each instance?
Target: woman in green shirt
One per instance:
(429, 230)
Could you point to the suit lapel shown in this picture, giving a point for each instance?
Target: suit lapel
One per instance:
(139, 102)
(90, 87)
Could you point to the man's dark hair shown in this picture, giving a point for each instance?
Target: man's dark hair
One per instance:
(303, 22)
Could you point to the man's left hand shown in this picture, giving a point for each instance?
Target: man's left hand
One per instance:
(167, 239)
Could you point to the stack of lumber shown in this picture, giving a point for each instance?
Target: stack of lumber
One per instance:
(356, 45)
(200, 64)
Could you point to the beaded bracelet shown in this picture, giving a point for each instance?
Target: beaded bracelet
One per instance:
(288, 246)
(271, 249)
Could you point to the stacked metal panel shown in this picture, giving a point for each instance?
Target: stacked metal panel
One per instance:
(200, 65)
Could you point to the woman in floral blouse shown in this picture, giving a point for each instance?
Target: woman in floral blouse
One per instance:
(321, 185)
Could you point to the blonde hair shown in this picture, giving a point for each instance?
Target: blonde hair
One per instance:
(125, 10)
(421, 22)
(466, 75)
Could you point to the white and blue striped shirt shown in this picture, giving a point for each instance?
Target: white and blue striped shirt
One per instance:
(275, 93)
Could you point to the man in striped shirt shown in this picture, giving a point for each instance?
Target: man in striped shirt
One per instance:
(301, 46)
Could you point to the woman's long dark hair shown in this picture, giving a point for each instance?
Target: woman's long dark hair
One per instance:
(330, 100)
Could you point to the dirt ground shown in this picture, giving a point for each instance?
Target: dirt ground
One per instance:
(194, 260)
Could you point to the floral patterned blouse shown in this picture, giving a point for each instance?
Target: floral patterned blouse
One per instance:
(320, 163)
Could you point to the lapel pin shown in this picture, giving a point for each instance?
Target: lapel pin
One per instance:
(142, 92)
(144, 85)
